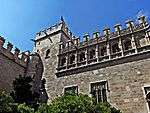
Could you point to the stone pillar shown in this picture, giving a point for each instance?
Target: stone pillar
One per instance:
(23, 57)
(86, 55)
(118, 30)
(130, 25)
(76, 58)
(142, 20)
(86, 38)
(106, 34)
(67, 61)
(9, 46)
(96, 35)
(2, 41)
(108, 49)
(97, 52)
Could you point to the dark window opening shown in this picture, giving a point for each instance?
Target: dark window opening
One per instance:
(71, 90)
(47, 53)
(98, 91)
(82, 57)
(147, 95)
(72, 59)
(115, 48)
(92, 54)
(63, 62)
(127, 45)
(103, 51)
(148, 99)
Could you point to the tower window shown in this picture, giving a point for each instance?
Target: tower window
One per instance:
(82, 56)
(98, 91)
(92, 54)
(71, 90)
(72, 59)
(103, 51)
(127, 45)
(115, 48)
(63, 62)
(47, 53)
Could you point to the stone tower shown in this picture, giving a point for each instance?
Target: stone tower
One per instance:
(47, 45)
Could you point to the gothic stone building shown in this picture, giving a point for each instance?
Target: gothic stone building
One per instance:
(109, 66)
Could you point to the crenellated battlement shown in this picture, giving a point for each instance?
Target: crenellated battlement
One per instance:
(14, 55)
(131, 27)
(106, 46)
(48, 31)
(61, 26)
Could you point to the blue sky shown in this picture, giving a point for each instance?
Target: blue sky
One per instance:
(21, 19)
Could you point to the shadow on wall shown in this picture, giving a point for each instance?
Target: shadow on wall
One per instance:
(36, 69)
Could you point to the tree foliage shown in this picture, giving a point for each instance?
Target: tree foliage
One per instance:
(22, 90)
(76, 104)
(6, 102)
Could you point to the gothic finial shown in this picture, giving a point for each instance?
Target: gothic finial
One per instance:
(62, 19)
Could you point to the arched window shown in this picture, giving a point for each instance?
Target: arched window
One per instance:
(63, 61)
(103, 51)
(127, 44)
(72, 59)
(115, 48)
(47, 53)
(92, 54)
(82, 56)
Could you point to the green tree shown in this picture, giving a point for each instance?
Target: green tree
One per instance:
(22, 91)
(23, 108)
(68, 104)
(76, 104)
(6, 103)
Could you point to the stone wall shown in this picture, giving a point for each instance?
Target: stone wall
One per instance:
(125, 83)
(126, 76)
(12, 64)
(8, 71)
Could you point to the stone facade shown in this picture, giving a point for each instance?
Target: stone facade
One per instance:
(11, 65)
(112, 66)
(124, 64)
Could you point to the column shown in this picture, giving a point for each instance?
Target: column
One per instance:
(106, 34)
(130, 25)
(67, 60)
(118, 30)
(142, 20)
(121, 46)
(86, 56)
(76, 58)
(108, 49)
(97, 51)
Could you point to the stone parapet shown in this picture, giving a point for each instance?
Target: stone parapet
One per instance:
(133, 39)
(16, 56)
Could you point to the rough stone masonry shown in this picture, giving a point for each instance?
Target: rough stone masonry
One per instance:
(109, 66)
